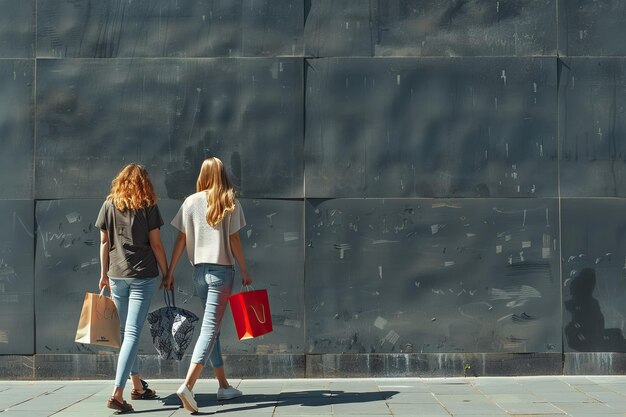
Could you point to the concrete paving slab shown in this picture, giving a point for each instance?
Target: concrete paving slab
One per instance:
(586, 409)
(421, 410)
(366, 409)
(412, 398)
(591, 387)
(22, 413)
(462, 398)
(404, 387)
(618, 405)
(505, 389)
(473, 409)
(566, 397)
(423, 397)
(454, 389)
(532, 409)
(64, 413)
(299, 410)
(545, 387)
(515, 398)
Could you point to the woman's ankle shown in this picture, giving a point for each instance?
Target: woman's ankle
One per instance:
(137, 385)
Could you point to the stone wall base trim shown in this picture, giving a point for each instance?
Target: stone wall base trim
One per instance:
(75, 366)
(237, 366)
(102, 365)
(595, 363)
(19, 367)
(432, 365)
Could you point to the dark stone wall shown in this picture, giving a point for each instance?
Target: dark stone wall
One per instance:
(431, 187)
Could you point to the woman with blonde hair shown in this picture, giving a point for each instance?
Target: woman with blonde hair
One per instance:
(209, 222)
(131, 254)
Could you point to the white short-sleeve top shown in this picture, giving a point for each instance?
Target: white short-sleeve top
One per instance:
(206, 243)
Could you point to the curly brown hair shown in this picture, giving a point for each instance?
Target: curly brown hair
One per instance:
(132, 189)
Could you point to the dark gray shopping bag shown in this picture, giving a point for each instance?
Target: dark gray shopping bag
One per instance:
(171, 328)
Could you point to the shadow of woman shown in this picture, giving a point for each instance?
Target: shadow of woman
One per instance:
(313, 398)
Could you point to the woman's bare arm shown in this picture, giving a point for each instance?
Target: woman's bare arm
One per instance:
(177, 251)
(104, 260)
(157, 248)
(235, 246)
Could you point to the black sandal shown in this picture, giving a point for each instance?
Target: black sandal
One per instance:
(145, 395)
(118, 406)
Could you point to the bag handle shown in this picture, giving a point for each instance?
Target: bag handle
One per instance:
(246, 287)
(168, 296)
(257, 314)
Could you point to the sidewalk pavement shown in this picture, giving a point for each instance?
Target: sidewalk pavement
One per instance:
(588, 396)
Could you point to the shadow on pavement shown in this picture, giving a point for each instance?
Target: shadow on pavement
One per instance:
(152, 410)
(314, 398)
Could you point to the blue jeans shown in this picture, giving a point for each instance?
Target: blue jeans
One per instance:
(214, 284)
(132, 299)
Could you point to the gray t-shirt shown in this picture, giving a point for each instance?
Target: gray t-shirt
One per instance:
(130, 253)
(206, 243)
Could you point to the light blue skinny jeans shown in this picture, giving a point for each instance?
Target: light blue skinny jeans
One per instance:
(214, 284)
(132, 298)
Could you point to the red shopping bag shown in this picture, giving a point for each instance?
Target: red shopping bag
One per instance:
(251, 313)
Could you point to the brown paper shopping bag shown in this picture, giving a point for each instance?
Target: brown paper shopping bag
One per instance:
(99, 322)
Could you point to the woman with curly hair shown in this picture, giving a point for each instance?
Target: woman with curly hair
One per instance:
(131, 254)
(209, 222)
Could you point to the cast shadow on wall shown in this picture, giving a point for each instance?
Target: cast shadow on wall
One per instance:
(586, 332)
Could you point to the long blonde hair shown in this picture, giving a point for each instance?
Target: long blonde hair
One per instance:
(220, 194)
(132, 189)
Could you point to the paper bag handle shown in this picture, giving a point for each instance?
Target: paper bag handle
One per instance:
(257, 314)
(102, 292)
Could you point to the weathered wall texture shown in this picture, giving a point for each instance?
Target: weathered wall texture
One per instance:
(431, 187)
